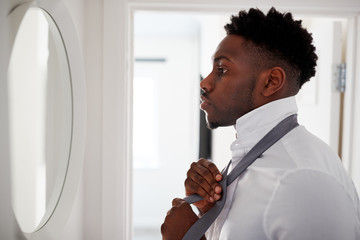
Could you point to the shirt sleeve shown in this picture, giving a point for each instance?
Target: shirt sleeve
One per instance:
(310, 205)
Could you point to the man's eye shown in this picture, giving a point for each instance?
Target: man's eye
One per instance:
(221, 70)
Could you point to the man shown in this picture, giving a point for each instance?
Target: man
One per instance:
(298, 188)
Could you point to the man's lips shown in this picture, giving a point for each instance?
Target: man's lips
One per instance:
(204, 103)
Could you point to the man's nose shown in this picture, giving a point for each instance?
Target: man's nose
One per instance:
(207, 84)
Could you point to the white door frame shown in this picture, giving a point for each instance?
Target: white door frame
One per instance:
(351, 117)
(117, 91)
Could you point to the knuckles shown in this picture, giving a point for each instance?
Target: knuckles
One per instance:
(177, 202)
(203, 160)
(204, 172)
(199, 179)
(192, 169)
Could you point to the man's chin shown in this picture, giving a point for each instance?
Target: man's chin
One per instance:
(212, 125)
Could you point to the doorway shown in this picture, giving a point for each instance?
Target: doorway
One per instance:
(171, 51)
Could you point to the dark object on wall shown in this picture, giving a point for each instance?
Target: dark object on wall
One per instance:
(205, 136)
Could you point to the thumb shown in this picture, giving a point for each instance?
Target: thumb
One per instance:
(177, 202)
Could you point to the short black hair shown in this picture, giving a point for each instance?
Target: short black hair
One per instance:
(279, 40)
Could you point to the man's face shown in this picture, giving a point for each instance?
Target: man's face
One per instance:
(228, 89)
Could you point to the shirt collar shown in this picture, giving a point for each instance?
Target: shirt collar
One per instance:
(253, 126)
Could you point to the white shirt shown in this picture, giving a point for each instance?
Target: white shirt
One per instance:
(298, 189)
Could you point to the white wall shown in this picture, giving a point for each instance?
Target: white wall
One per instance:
(7, 226)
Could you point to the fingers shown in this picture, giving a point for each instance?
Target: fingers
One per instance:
(177, 202)
(181, 205)
(178, 220)
(203, 178)
(212, 167)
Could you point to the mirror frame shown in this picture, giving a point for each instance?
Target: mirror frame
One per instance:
(54, 220)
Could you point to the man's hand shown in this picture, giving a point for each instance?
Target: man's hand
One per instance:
(178, 220)
(203, 178)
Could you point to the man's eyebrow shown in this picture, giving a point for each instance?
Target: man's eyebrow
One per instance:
(217, 59)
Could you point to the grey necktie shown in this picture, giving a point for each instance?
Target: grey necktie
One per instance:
(198, 229)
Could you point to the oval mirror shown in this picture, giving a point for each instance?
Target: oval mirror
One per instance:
(41, 113)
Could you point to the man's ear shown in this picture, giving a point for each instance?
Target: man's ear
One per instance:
(274, 82)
